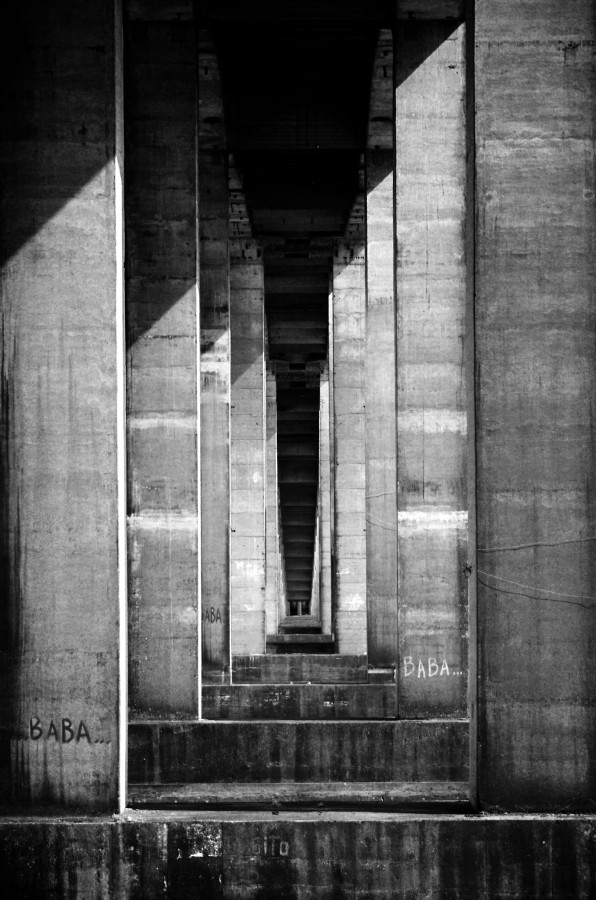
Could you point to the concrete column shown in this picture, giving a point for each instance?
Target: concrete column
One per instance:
(325, 609)
(161, 291)
(432, 377)
(214, 366)
(247, 428)
(535, 327)
(281, 563)
(61, 378)
(381, 408)
(349, 338)
(272, 599)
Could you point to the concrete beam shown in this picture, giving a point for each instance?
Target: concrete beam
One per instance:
(159, 10)
(383, 11)
(430, 9)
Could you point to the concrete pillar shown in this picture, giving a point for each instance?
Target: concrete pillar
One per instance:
(381, 411)
(432, 376)
(161, 292)
(62, 375)
(535, 327)
(272, 599)
(247, 429)
(282, 590)
(214, 366)
(325, 610)
(349, 338)
(315, 583)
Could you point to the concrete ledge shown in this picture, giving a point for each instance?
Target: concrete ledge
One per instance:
(298, 751)
(299, 855)
(429, 796)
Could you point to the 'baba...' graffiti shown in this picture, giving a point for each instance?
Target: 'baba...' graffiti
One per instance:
(63, 731)
(430, 667)
(212, 615)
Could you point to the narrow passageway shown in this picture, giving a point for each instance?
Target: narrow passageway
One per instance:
(296, 102)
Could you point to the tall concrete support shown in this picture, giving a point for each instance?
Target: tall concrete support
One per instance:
(247, 429)
(431, 369)
(536, 372)
(381, 408)
(282, 589)
(214, 365)
(161, 292)
(325, 488)
(273, 607)
(62, 375)
(349, 339)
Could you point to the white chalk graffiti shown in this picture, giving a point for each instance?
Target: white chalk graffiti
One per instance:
(429, 667)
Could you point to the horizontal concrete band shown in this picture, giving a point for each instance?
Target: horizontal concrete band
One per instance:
(415, 795)
(306, 701)
(296, 668)
(379, 10)
(294, 751)
(302, 855)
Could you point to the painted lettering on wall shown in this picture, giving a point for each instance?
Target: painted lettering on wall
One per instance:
(211, 615)
(429, 667)
(63, 731)
(272, 846)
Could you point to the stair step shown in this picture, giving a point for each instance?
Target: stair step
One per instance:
(299, 638)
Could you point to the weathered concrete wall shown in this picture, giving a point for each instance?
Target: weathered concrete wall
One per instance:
(535, 278)
(348, 334)
(247, 450)
(432, 380)
(299, 856)
(59, 529)
(314, 750)
(273, 561)
(214, 364)
(161, 315)
(381, 405)
(325, 490)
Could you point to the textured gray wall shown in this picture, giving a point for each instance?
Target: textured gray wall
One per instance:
(535, 356)
(59, 404)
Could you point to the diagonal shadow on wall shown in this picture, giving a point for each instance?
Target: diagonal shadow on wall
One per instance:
(58, 133)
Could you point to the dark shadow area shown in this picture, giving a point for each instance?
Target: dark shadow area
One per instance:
(422, 38)
(329, 11)
(296, 80)
(296, 98)
(54, 133)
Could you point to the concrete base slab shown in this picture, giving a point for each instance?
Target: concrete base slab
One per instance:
(299, 855)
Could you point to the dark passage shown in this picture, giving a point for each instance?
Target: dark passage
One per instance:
(296, 97)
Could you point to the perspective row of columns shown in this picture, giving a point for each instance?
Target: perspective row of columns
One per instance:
(393, 490)
(61, 293)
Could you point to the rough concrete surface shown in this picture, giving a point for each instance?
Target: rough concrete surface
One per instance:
(299, 856)
(491, 196)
